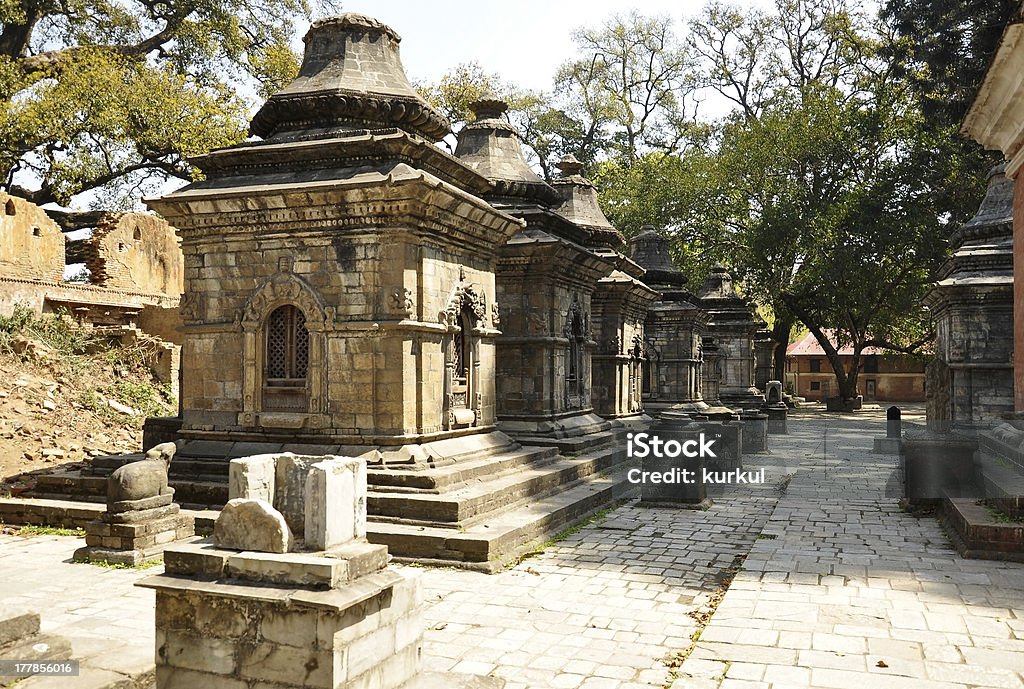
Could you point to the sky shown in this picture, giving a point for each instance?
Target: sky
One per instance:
(524, 41)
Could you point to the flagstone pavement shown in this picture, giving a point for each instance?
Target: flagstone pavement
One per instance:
(834, 587)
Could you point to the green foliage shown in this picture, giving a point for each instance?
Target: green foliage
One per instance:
(30, 531)
(945, 49)
(113, 97)
(59, 333)
(142, 397)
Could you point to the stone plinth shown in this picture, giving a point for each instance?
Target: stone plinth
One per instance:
(777, 415)
(675, 488)
(939, 465)
(733, 323)
(336, 620)
(332, 616)
(887, 446)
(132, 532)
(755, 432)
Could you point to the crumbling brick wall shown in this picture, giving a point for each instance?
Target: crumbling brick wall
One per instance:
(31, 244)
(136, 252)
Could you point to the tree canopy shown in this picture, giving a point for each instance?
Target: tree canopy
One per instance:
(829, 187)
(112, 97)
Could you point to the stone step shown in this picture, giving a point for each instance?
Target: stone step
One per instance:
(441, 478)
(494, 543)
(72, 514)
(70, 483)
(16, 625)
(474, 501)
(577, 444)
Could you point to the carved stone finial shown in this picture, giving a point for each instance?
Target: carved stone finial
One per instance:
(488, 108)
(351, 78)
(569, 165)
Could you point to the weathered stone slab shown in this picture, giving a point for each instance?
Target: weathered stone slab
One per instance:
(252, 478)
(252, 525)
(290, 489)
(134, 517)
(335, 510)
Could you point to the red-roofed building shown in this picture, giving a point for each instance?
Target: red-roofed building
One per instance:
(884, 376)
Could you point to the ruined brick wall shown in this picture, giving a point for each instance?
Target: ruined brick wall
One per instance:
(31, 245)
(137, 252)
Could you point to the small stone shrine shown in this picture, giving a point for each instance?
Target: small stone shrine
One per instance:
(256, 607)
(620, 303)
(733, 324)
(673, 377)
(970, 380)
(141, 518)
(545, 279)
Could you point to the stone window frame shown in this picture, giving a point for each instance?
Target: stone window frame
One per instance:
(466, 309)
(283, 289)
(288, 322)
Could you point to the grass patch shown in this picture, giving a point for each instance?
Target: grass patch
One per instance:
(998, 514)
(766, 537)
(120, 565)
(31, 530)
(595, 518)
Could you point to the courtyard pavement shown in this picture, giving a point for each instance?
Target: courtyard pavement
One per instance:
(834, 587)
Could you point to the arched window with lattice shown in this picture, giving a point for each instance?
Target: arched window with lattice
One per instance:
(287, 361)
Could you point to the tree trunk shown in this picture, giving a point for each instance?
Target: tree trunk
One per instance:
(780, 334)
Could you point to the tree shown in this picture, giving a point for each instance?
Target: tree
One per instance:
(947, 46)
(818, 189)
(114, 97)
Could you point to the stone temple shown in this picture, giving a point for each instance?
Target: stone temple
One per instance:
(352, 289)
(476, 334)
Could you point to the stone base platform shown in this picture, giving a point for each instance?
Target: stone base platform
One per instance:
(887, 446)
(574, 425)
(477, 502)
(977, 535)
(132, 538)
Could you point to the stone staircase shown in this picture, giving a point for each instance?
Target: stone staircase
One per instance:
(481, 510)
(21, 640)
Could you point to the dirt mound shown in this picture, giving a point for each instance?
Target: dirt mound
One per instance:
(67, 394)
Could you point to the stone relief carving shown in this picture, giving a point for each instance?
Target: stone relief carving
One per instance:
(612, 346)
(191, 307)
(285, 287)
(464, 295)
(402, 301)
